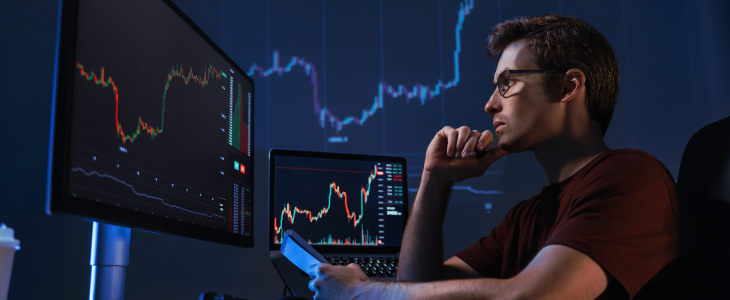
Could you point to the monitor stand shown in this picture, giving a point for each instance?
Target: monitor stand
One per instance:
(109, 261)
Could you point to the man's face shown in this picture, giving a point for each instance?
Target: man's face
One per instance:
(526, 115)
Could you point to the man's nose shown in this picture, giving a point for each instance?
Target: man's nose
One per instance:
(494, 105)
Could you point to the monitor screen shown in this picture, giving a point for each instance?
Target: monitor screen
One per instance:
(153, 124)
(334, 199)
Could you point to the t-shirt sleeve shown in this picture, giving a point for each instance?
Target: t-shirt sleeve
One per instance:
(623, 217)
(487, 254)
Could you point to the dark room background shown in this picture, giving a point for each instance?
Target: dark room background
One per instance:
(378, 65)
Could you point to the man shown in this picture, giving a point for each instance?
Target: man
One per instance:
(604, 227)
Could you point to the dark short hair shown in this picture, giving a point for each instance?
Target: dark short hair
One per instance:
(561, 43)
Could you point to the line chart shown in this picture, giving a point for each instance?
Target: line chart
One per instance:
(290, 213)
(102, 175)
(418, 91)
(469, 189)
(176, 72)
(475, 191)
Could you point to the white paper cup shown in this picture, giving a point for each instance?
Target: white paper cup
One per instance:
(8, 246)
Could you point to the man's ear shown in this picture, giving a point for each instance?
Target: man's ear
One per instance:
(573, 85)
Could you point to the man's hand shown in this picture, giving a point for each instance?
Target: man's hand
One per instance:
(337, 282)
(447, 156)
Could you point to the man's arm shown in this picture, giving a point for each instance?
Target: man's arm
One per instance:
(421, 257)
(557, 272)
(422, 249)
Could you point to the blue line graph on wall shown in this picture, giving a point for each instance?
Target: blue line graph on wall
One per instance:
(327, 118)
(469, 189)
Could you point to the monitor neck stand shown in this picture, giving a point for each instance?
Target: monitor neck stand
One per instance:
(109, 261)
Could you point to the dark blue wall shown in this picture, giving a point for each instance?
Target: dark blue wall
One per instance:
(672, 60)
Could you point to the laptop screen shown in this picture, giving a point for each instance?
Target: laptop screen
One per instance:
(338, 200)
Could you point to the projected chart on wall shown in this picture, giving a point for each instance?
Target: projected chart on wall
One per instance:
(161, 121)
(338, 202)
(373, 77)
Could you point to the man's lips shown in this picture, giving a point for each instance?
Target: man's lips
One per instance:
(498, 125)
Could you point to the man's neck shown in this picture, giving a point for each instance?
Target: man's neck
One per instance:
(564, 156)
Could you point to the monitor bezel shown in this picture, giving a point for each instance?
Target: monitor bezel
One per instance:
(274, 153)
(58, 199)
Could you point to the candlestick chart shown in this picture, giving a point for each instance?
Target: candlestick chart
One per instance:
(173, 173)
(289, 214)
(176, 72)
(337, 203)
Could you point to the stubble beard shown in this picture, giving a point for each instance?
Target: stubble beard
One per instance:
(512, 143)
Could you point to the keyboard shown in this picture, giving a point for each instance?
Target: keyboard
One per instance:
(372, 266)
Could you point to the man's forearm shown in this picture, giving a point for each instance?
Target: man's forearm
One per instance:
(421, 257)
(480, 288)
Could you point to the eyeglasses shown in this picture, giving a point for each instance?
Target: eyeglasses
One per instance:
(503, 80)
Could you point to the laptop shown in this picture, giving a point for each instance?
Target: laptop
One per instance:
(351, 208)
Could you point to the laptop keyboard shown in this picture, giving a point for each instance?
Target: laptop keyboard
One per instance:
(372, 266)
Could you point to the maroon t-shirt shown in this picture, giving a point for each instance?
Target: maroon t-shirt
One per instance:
(619, 209)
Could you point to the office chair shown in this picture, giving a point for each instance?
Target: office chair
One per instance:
(703, 192)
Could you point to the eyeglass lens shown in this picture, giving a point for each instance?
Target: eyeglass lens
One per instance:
(503, 83)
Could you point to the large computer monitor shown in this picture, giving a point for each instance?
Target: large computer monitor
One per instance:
(153, 124)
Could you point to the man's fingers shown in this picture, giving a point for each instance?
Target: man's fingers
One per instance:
(482, 143)
(485, 139)
(312, 286)
(450, 135)
(464, 134)
(451, 144)
(470, 143)
(315, 270)
(462, 142)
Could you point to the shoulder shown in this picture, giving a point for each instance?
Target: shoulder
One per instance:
(624, 173)
(625, 165)
(631, 158)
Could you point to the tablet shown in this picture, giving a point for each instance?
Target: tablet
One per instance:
(299, 252)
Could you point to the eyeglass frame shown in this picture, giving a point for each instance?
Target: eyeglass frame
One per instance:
(510, 72)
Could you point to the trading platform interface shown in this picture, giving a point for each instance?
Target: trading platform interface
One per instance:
(339, 202)
(161, 121)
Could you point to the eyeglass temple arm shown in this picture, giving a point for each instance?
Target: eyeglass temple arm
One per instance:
(530, 71)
